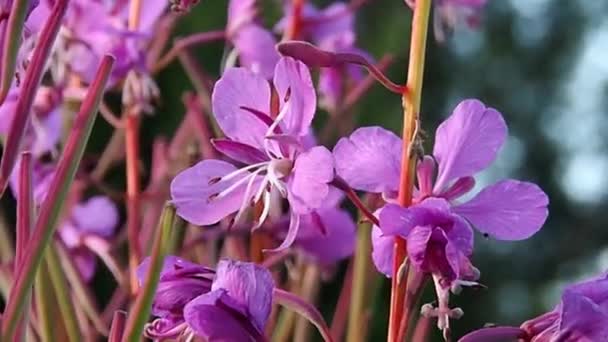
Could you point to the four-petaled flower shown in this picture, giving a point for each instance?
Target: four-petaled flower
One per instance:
(271, 139)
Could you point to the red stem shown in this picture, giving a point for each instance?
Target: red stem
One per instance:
(133, 194)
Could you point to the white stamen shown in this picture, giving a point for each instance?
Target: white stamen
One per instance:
(246, 197)
(233, 187)
(241, 171)
(265, 211)
(275, 181)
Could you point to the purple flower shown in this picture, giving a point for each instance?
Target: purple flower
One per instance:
(326, 235)
(86, 230)
(438, 227)
(448, 14)
(254, 44)
(582, 315)
(273, 148)
(465, 143)
(42, 176)
(93, 29)
(44, 130)
(231, 304)
(332, 29)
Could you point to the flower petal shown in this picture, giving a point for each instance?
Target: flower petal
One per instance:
(382, 251)
(338, 241)
(98, 215)
(240, 12)
(239, 88)
(370, 159)
(417, 242)
(238, 151)
(397, 220)
(256, 48)
(307, 185)
(194, 192)
(294, 85)
(215, 316)
(292, 233)
(495, 334)
(467, 141)
(582, 319)
(507, 210)
(249, 285)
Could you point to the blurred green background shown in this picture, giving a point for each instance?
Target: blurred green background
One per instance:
(544, 65)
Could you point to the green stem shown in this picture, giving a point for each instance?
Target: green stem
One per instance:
(44, 305)
(359, 283)
(12, 42)
(141, 309)
(62, 294)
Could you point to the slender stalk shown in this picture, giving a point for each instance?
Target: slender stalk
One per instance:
(360, 273)
(143, 304)
(295, 26)
(32, 80)
(310, 290)
(118, 326)
(44, 305)
(411, 109)
(341, 313)
(53, 204)
(133, 121)
(25, 216)
(62, 294)
(184, 43)
(12, 41)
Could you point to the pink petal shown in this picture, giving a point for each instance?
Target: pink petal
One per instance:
(382, 251)
(308, 186)
(238, 151)
(292, 233)
(98, 215)
(370, 159)
(193, 191)
(507, 210)
(240, 12)
(249, 285)
(468, 141)
(151, 14)
(256, 48)
(335, 242)
(238, 88)
(495, 334)
(294, 77)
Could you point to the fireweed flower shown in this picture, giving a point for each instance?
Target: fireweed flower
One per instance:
(92, 29)
(231, 304)
(437, 227)
(253, 44)
(274, 149)
(86, 230)
(581, 316)
(326, 235)
(44, 130)
(331, 29)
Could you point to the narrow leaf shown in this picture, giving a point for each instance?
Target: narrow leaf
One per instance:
(143, 303)
(53, 203)
(299, 305)
(33, 76)
(12, 41)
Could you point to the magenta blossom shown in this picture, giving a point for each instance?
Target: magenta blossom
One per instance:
(331, 29)
(94, 28)
(231, 304)
(274, 149)
(465, 143)
(44, 129)
(326, 235)
(254, 45)
(86, 230)
(581, 316)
